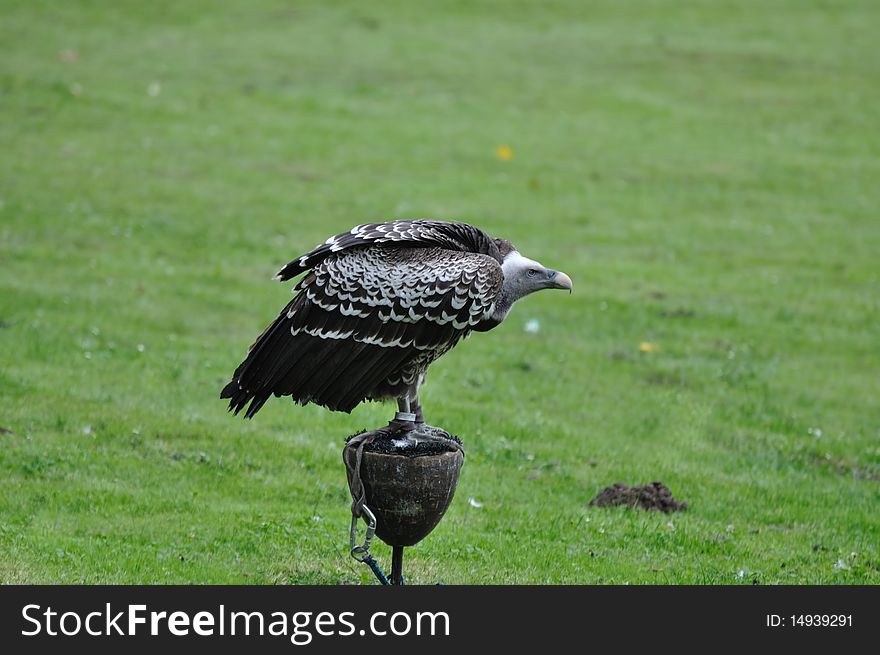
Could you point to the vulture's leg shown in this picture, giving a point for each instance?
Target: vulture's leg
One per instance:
(417, 410)
(404, 419)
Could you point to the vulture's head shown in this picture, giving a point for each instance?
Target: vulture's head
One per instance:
(523, 276)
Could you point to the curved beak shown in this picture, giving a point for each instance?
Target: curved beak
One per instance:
(559, 280)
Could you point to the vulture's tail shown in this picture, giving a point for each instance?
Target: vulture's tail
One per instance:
(255, 378)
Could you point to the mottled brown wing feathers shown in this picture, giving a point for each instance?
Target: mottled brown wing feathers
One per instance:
(460, 237)
(361, 315)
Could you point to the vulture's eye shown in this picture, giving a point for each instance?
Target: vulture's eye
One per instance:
(532, 272)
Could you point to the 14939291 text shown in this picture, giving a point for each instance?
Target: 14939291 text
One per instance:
(809, 621)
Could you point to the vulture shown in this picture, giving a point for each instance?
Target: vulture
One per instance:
(376, 306)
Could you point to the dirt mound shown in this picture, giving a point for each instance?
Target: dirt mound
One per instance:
(654, 497)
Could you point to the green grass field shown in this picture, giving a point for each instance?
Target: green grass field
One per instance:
(706, 172)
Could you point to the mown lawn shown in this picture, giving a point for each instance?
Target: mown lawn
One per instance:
(706, 172)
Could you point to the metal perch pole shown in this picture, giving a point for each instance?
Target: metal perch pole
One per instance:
(397, 565)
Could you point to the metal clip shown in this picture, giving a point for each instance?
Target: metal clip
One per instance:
(360, 553)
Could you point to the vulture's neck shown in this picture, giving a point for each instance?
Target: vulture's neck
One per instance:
(505, 301)
(508, 295)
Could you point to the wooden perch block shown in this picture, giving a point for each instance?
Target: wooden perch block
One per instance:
(409, 479)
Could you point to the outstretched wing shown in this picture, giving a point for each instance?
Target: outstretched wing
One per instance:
(361, 316)
(459, 237)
